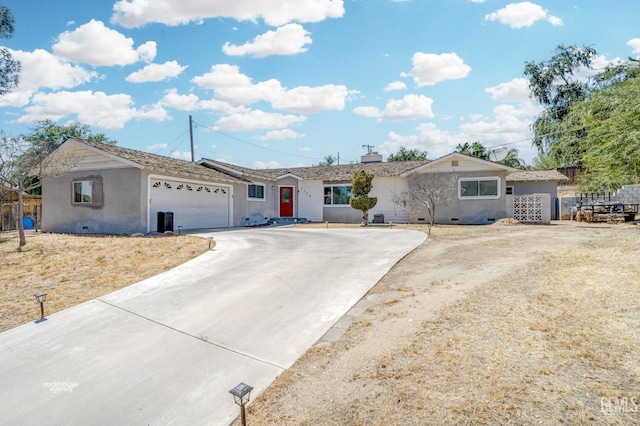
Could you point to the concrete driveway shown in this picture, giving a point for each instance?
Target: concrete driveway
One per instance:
(168, 349)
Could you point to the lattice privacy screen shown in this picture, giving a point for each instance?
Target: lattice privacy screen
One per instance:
(527, 208)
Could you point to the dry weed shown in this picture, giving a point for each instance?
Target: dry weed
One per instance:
(74, 268)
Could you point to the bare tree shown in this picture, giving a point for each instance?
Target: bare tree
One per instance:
(23, 166)
(426, 192)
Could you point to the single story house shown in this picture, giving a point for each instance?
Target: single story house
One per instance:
(111, 189)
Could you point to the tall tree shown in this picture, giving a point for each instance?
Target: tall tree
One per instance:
(427, 192)
(361, 186)
(9, 66)
(405, 154)
(475, 149)
(609, 149)
(557, 84)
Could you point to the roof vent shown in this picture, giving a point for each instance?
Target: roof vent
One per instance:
(374, 157)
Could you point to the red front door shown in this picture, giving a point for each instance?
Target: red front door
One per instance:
(286, 201)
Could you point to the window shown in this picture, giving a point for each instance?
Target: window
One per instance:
(337, 195)
(509, 190)
(255, 191)
(479, 188)
(83, 192)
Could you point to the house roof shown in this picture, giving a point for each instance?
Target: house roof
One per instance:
(326, 173)
(157, 162)
(536, 176)
(477, 162)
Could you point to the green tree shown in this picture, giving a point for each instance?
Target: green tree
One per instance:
(361, 186)
(405, 154)
(475, 149)
(9, 66)
(557, 85)
(609, 146)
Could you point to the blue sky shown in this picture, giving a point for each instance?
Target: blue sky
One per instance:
(280, 83)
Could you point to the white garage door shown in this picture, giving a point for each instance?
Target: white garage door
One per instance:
(194, 205)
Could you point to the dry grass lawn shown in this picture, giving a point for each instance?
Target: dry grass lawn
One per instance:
(483, 325)
(74, 268)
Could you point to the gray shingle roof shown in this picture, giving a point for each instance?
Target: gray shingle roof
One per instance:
(330, 173)
(536, 176)
(160, 162)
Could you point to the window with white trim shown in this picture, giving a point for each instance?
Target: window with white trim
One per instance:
(83, 192)
(487, 188)
(255, 191)
(338, 195)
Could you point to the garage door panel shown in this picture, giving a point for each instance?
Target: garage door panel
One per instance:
(193, 205)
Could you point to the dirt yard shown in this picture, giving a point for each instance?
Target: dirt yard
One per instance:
(74, 269)
(488, 325)
(483, 325)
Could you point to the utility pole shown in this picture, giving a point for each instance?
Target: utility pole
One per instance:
(191, 137)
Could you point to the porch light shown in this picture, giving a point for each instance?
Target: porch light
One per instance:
(41, 298)
(241, 395)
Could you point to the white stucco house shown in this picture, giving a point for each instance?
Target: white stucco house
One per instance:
(111, 189)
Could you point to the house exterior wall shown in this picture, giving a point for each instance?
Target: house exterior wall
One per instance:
(310, 200)
(385, 188)
(121, 206)
(248, 211)
(542, 187)
(469, 211)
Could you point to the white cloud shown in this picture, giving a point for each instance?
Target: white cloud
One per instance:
(282, 135)
(94, 109)
(524, 14)
(157, 147)
(40, 69)
(309, 100)
(230, 85)
(95, 44)
(510, 124)
(268, 165)
(367, 111)
(396, 85)
(305, 149)
(136, 13)
(518, 91)
(408, 108)
(428, 138)
(155, 112)
(181, 155)
(429, 68)
(181, 102)
(287, 40)
(256, 119)
(635, 45)
(156, 72)
(477, 1)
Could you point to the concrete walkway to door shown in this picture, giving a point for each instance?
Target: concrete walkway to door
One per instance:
(168, 349)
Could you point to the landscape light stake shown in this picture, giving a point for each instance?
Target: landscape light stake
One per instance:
(241, 395)
(41, 298)
(179, 229)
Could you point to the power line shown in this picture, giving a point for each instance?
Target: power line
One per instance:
(253, 144)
